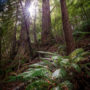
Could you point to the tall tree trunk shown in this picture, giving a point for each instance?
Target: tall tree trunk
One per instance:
(1, 40)
(13, 47)
(25, 49)
(0, 44)
(34, 29)
(67, 28)
(46, 22)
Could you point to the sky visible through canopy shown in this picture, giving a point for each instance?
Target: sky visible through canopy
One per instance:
(33, 7)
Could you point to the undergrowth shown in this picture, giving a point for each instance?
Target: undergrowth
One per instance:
(55, 72)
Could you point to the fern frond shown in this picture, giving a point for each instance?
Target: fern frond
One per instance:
(75, 53)
(66, 85)
(59, 73)
(49, 53)
(38, 85)
(76, 67)
(38, 65)
(35, 73)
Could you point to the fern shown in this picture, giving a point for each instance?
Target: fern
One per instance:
(67, 85)
(76, 67)
(78, 55)
(59, 73)
(36, 73)
(48, 53)
(54, 71)
(38, 85)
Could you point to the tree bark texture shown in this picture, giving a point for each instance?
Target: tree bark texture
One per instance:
(13, 45)
(34, 29)
(67, 28)
(46, 21)
(0, 44)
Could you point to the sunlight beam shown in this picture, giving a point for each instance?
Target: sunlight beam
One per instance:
(32, 8)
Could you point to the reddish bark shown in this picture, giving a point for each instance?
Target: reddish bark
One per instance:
(34, 29)
(46, 21)
(0, 44)
(67, 28)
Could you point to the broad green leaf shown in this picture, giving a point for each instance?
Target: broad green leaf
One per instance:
(59, 73)
(56, 74)
(39, 72)
(75, 53)
(78, 59)
(76, 67)
(64, 62)
(38, 65)
(85, 54)
(47, 62)
(56, 57)
(43, 52)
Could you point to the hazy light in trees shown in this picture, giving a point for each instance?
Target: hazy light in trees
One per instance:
(32, 8)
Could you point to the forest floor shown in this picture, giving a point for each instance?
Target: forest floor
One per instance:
(82, 80)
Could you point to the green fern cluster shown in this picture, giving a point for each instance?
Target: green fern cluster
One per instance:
(54, 72)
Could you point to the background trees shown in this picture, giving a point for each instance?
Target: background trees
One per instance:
(48, 20)
(28, 28)
(50, 24)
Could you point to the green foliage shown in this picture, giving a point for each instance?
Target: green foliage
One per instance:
(76, 67)
(56, 73)
(59, 73)
(82, 30)
(38, 85)
(15, 78)
(67, 84)
(35, 73)
(78, 55)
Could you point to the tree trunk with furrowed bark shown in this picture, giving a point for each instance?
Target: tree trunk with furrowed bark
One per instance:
(67, 28)
(46, 22)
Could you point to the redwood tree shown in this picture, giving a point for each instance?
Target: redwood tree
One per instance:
(13, 44)
(46, 21)
(34, 28)
(67, 28)
(25, 49)
(0, 44)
